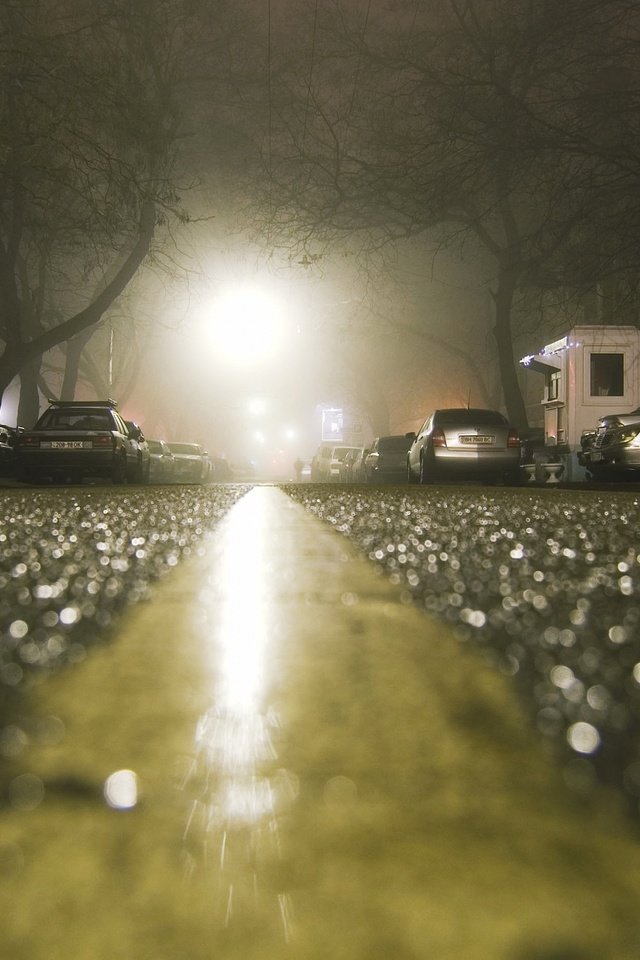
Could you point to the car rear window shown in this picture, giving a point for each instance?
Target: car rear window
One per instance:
(340, 452)
(75, 419)
(394, 443)
(479, 417)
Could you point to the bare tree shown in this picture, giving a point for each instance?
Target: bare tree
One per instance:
(89, 125)
(457, 121)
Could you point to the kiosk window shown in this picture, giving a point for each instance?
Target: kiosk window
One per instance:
(554, 385)
(607, 374)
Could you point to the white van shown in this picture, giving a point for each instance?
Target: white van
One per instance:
(326, 466)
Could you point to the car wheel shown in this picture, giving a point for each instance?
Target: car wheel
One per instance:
(119, 469)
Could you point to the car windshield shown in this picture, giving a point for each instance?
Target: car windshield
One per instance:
(474, 417)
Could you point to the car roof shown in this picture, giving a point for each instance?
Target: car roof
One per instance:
(83, 403)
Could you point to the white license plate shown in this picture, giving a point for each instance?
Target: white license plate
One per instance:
(478, 440)
(66, 444)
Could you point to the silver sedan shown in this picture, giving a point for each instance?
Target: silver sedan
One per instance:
(464, 444)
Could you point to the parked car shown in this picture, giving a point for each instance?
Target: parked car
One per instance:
(76, 439)
(139, 441)
(346, 467)
(220, 470)
(8, 444)
(612, 451)
(358, 470)
(328, 460)
(190, 465)
(464, 444)
(387, 459)
(161, 461)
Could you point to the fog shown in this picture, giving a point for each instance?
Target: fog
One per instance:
(354, 173)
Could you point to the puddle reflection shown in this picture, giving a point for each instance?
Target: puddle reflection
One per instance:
(238, 793)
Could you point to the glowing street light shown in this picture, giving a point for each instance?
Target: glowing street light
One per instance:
(246, 326)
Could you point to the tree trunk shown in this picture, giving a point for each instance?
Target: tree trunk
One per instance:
(18, 353)
(72, 364)
(503, 298)
(29, 402)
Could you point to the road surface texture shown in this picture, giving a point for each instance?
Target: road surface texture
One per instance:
(281, 756)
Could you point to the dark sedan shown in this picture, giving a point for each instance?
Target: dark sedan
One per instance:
(161, 461)
(74, 440)
(464, 444)
(189, 463)
(387, 459)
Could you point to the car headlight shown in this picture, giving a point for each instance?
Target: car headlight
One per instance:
(630, 437)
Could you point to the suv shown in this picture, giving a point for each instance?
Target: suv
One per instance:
(75, 439)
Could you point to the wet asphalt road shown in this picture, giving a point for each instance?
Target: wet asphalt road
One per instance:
(544, 582)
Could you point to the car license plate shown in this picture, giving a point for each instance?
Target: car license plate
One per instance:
(66, 444)
(477, 440)
(595, 457)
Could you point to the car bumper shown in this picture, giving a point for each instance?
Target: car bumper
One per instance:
(613, 458)
(88, 463)
(187, 472)
(470, 463)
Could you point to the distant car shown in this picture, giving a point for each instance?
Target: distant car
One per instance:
(190, 465)
(387, 459)
(73, 440)
(346, 467)
(220, 470)
(358, 474)
(613, 450)
(328, 460)
(162, 460)
(242, 471)
(464, 444)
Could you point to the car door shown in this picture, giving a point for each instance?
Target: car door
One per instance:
(417, 445)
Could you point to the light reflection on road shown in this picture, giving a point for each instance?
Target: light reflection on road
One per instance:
(238, 792)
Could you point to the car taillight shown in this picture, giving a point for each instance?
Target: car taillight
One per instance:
(103, 441)
(27, 441)
(513, 440)
(438, 438)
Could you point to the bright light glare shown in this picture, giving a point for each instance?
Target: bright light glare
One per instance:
(257, 406)
(246, 326)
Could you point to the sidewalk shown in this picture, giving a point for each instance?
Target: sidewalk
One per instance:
(299, 765)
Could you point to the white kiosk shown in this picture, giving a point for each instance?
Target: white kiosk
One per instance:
(592, 371)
